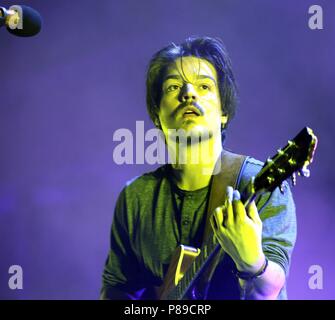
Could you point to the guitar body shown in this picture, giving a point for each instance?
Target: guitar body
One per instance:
(182, 259)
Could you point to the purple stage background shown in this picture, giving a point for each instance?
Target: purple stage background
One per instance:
(66, 91)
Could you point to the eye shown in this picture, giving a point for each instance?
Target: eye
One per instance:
(205, 87)
(172, 87)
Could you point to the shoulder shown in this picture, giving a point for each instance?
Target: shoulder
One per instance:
(146, 181)
(274, 202)
(143, 186)
(252, 165)
(251, 168)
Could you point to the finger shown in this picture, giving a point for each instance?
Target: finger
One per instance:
(238, 207)
(229, 193)
(218, 217)
(252, 212)
(228, 212)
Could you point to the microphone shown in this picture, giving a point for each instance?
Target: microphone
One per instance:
(20, 20)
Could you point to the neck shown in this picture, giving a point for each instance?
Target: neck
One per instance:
(194, 164)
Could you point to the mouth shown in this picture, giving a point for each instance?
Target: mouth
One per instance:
(191, 111)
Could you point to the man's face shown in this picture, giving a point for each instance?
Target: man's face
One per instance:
(190, 98)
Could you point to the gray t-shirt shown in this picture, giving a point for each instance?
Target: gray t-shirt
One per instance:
(153, 216)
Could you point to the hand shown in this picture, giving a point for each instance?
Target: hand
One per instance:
(239, 232)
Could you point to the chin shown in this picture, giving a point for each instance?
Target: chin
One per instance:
(198, 133)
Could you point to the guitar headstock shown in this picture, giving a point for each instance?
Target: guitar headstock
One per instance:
(296, 156)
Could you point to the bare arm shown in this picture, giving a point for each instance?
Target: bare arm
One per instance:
(265, 287)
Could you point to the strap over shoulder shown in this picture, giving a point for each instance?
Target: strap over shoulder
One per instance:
(227, 172)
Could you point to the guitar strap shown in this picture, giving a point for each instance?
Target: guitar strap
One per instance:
(228, 173)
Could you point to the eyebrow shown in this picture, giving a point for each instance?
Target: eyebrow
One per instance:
(178, 77)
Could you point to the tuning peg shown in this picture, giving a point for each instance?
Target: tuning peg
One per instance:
(280, 152)
(269, 161)
(281, 170)
(294, 179)
(270, 179)
(292, 162)
(305, 172)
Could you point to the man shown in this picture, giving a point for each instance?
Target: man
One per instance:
(191, 87)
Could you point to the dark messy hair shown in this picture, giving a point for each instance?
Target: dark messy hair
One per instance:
(210, 49)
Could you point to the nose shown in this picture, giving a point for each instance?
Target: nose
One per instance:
(188, 93)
